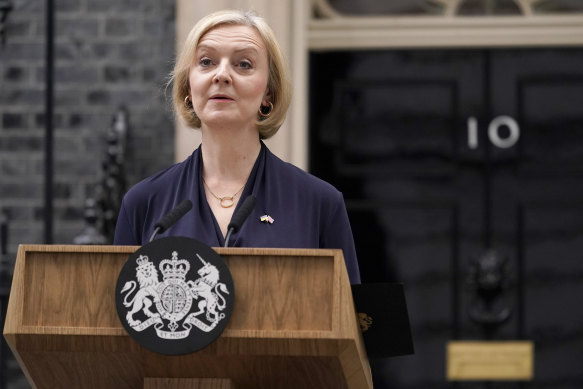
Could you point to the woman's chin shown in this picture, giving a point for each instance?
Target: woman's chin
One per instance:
(226, 120)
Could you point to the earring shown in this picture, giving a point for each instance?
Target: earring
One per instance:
(265, 110)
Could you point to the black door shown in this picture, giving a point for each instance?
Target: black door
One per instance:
(444, 156)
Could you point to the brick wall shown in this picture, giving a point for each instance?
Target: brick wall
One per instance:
(108, 53)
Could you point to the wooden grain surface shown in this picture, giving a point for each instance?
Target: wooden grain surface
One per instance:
(188, 383)
(280, 293)
(293, 323)
(71, 290)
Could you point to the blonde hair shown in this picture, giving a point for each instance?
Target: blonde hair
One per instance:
(278, 83)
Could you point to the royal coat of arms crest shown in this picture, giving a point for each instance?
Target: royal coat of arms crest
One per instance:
(190, 296)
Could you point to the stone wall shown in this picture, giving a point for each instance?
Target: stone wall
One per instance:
(108, 53)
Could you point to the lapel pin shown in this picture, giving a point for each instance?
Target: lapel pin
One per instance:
(266, 219)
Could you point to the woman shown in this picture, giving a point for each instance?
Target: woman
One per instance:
(231, 82)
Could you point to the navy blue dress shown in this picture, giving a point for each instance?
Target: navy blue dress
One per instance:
(306, 211)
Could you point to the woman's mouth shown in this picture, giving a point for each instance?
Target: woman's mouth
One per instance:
(221, 98)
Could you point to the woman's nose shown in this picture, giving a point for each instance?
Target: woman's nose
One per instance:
(223, 73)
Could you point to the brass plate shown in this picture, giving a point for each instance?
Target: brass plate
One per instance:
(473, 360)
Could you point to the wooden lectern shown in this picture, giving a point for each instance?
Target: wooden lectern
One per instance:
(293, 324)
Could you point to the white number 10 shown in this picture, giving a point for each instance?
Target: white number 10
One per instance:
(493, 132)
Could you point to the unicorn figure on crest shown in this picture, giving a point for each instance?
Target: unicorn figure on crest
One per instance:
(209, 288)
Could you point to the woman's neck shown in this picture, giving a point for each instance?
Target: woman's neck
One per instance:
(229, 156)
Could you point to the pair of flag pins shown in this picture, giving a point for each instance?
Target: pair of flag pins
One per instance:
(266, 219)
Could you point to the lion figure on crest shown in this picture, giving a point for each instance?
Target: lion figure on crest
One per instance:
(147, 295)
(209, 288)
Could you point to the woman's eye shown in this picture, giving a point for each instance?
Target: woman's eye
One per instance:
(245, 64)
(205, 62)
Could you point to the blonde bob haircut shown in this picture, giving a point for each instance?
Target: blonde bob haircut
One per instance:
(278, 83)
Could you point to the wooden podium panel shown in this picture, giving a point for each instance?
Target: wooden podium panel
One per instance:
(181, 383)
(293, 323)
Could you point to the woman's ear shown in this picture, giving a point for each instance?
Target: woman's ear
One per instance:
(266, 98)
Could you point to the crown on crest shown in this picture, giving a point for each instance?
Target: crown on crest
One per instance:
(175, 268)
(142, 260)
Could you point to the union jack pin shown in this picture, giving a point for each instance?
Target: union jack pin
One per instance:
(266, 219)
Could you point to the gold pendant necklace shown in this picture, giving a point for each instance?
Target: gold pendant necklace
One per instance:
(225, 201)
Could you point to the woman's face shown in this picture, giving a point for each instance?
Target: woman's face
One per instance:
(228, 77)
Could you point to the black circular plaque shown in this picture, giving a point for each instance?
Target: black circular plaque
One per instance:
(175, 295)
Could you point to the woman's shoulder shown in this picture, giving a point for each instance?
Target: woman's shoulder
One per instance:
(302, 180)
(158, 183)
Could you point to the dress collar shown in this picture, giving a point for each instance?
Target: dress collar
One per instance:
(252, 186)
